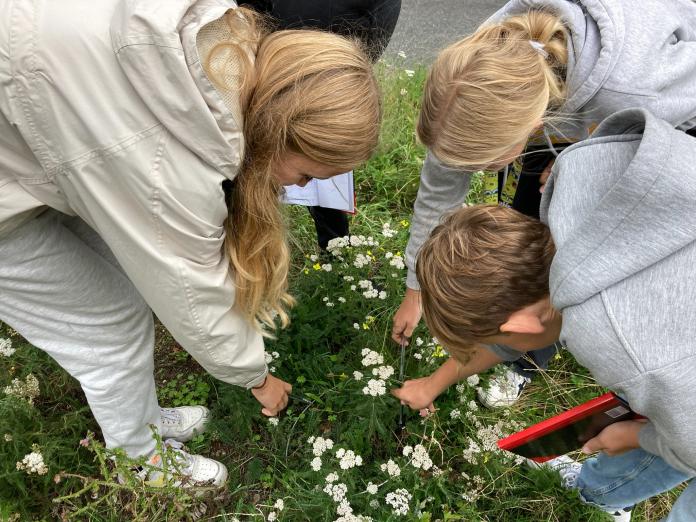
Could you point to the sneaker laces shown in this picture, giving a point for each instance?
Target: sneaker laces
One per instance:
(170, 416)
(180, 456)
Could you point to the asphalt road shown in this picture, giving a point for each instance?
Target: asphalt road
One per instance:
(425, 26)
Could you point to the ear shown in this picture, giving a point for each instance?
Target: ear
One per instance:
(523, 322)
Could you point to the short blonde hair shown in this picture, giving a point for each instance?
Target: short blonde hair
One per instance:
(308, 92)
(480, 265)
(487, 93)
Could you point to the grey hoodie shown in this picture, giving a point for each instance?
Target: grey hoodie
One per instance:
(621, 211)
(623, 54)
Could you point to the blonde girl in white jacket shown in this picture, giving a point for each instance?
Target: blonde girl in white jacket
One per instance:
(143, 147)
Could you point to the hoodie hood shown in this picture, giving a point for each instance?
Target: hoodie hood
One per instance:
(596, 40)
(618, 203)
(155, 42)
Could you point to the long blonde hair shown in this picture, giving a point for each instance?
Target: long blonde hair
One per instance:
(487, 93)
(307, 92)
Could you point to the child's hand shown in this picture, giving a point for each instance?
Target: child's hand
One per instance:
(616, 438)
(273, 395)
(407, 316)
(417, 394)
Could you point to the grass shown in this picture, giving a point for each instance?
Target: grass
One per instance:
(318, 354)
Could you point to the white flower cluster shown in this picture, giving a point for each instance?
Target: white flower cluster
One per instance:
(375, 387)
(397, 262)
(33, 462)
(371, 358)
(387, 230)
(27, 390)
(269, 357)
(357, 241)
(357, 375)
(336, 491)
(399, 500)
(6, 347)
(348, 459)
(315, 464)
(273, 421)
(320, 445)
(455, 414)
(473, 380)
(361, 260)
(331, 477)
(392, 468)
(327, 302)
(326, 267)
(383, 372)
(420, 458)
(372, 488)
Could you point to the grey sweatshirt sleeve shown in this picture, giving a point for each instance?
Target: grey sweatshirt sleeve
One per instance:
(669, 399)
(441, 189)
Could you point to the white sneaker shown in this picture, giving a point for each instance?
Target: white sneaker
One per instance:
(181, 469)
(183, 423)
(566, 467)
(569, 470)
(503, 390)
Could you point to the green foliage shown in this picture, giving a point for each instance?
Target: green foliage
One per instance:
(184, 390)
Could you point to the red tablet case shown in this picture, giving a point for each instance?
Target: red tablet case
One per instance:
(568, 431)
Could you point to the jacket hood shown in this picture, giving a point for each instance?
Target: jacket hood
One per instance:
(155, 43)
(618, 203)
(597, 36)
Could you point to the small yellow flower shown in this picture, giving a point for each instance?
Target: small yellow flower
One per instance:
(343, 376)
(370, 319)
(404, 223)
(439, 351)
(365, 326)
(306, 271)
(316, 266)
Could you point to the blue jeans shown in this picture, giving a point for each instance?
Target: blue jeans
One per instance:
(613, 483)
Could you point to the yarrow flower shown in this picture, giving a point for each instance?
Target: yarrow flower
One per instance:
(348, 459)
(375, 387)
(273, 421)
(326, 267)
(392, 468)
(279, 504)
(357, 375)
(320, 445)
(399, 500)
(420, 458)
(33, 462)
(387, 230)
(336, 491)
(397, 262)
(331, 477)
(384, 372)
(371, 358)
(27, 390)
(316, 463)
(372, 488)
(6, 347)
(455, 414)
(473, 380)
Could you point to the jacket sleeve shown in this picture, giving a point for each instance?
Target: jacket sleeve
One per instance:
(666, 397)
(161, 210)
(441, 189)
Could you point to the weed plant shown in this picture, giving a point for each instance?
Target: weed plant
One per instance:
(337, 450)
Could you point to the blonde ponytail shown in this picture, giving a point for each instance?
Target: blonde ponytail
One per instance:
(307, 92)
(486, 93)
